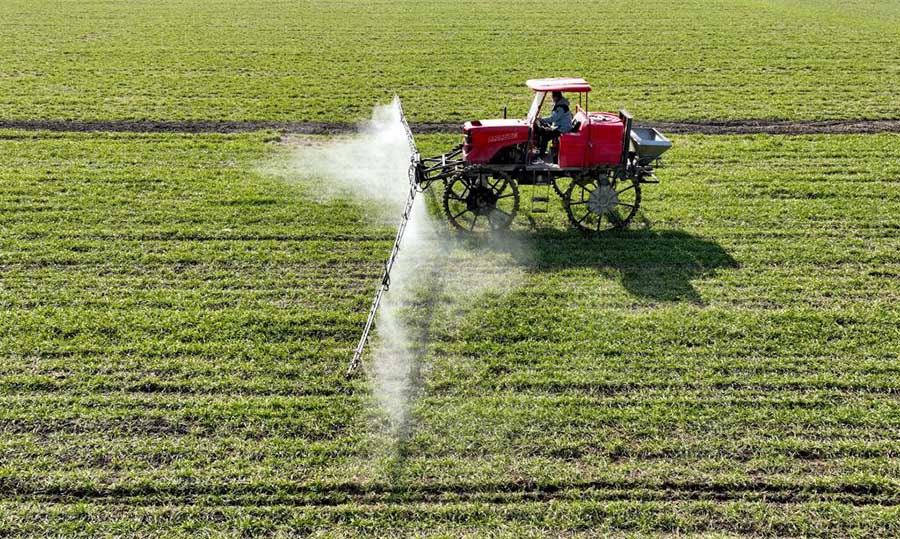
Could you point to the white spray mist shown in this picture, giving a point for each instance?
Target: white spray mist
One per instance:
(404, 318)
(371, 167)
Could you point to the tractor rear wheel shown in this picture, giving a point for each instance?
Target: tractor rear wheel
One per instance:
(480, 202)
(560, 185)
(595, 204)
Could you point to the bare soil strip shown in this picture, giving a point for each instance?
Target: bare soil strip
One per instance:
(729, 127)
(504, 493)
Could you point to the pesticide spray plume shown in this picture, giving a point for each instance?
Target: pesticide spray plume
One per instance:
(373, 167)
(405, 217)
(370, 165)
(419, 275)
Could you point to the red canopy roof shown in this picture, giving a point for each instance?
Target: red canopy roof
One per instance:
(559, 85)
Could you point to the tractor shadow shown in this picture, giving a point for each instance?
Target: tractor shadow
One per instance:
(655, 265)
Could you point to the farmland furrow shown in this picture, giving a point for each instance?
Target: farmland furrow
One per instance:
(434, 494)
(687, 127)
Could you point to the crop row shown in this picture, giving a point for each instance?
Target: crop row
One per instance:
(488, 518)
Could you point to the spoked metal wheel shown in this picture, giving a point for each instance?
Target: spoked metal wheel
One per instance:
(602, 203)
(481, 202)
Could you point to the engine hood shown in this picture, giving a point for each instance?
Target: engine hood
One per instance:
(484, 138)
(512, 122)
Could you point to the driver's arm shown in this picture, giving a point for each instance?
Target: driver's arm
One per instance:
(554, 116)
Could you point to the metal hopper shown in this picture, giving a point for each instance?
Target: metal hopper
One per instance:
(649, 144)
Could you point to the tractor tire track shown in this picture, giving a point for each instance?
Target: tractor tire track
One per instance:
(342, 494)
(699, 127)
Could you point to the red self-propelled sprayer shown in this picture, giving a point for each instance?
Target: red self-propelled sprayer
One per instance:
(597, 168)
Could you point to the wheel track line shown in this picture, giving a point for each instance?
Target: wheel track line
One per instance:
(699, 127)
(493, 493)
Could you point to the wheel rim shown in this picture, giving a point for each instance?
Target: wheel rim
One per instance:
(599, 204)
(481, 202)
(561, 185)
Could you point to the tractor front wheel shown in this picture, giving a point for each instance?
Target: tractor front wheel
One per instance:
(595, 204)
(481, 202)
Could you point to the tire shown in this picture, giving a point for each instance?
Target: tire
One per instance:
(480, 202)
(602, 202)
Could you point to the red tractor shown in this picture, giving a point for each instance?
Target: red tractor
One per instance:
(597, 168)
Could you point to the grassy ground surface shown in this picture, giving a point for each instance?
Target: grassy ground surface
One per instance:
(174, 326)
(331, 61)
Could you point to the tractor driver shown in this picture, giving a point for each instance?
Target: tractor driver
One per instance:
(551, 127)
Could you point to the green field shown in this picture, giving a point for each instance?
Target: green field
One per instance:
(174, 325)
(332, 61)
(177, 310)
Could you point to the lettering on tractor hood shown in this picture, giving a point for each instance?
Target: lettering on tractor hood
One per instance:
(503, 136)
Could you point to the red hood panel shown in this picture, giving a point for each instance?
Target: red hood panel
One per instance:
(484, 138)
(496, 123)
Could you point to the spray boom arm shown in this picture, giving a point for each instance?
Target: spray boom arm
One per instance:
(431, 169)
(414, 175)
